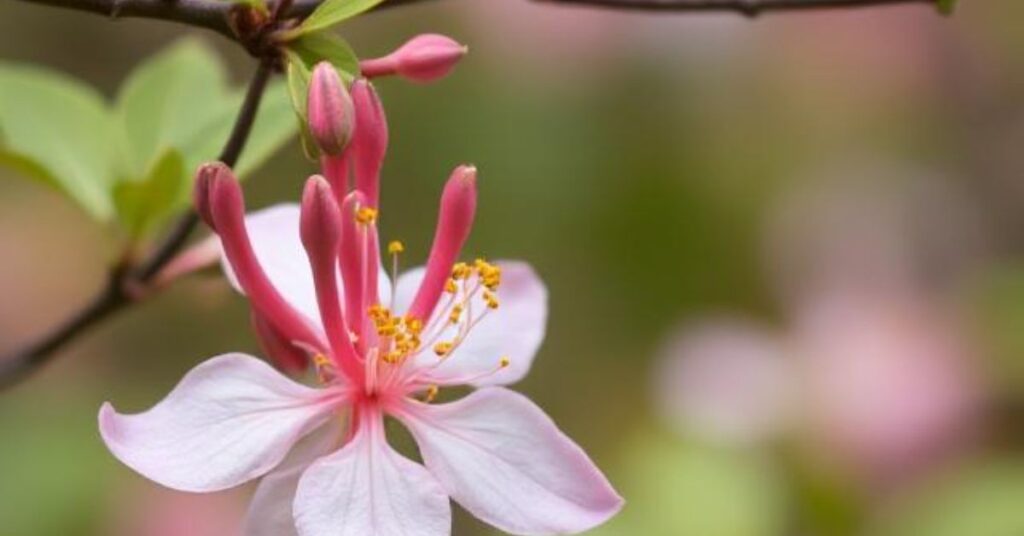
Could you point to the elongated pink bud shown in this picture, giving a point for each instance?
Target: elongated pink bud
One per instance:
(227, 210)
(201, 189)
(458, 206)
(424, 58)
(285, 355)
(320, 231)
(371, 142)
(330, 111)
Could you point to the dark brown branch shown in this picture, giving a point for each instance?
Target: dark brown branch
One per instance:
(118, 291)
(213, 14)
(209, 14)
(750, 8)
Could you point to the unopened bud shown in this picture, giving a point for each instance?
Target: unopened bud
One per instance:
(206, 176)
(330, 111)
(424, 58)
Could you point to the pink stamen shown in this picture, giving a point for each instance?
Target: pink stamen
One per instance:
(227, 213)
(458, 206)
(371, 141)
(353, 278)
(320, 230)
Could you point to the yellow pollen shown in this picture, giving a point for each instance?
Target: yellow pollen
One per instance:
(461, 270)
(366, 215)
(431, 393)
(491, 300)
(504, 362)
(414, 325)
(320, 360)
(442, 348)
(455, 314)
(395, 247)
(450, 287)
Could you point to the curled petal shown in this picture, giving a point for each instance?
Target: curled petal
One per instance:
(229, 420)
(368, 489)
(515, 330)
(270, 511)
(504, 460)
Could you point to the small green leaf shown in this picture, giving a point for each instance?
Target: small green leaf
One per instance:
(298, 87)
(329, 13)
(141, 205)
(57, 130)
(320, 46)
(946, 7)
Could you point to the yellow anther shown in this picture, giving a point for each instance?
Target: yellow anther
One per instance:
(431, 393)
(320, 360)
(504, 362)
(491, 300)
(366, 215)
(450, 287)
(455, 314)
(413, 324)
(442, 348)
(461, 270)
(395, 247)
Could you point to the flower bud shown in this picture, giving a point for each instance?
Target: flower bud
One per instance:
(423, 58)
(330, 111)
(206, 175)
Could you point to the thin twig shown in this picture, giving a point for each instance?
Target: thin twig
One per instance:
(213, 14)
(118, 291)
(749, 8)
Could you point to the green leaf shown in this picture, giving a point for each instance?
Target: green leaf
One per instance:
(181, 100)
(946, 7)
(173, 100)
(298, 87)
(321, 46)
(141, 205)
(329, 13)
(57, 130)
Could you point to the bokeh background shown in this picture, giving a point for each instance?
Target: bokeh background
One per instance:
(785, 258)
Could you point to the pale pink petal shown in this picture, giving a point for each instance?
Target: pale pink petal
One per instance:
(229, 420)
(515, 330)
(274, 232)
(368, 489)
(504, 460)
(270, 511)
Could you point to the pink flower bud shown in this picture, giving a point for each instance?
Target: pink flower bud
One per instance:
(205, 177)
(423, 58)
(330, 110)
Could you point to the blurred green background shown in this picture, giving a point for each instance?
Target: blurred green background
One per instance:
(639, 162)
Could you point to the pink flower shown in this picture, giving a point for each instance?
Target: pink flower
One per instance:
(381, 346)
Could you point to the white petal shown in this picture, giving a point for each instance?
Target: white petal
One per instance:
(504, 460)
(274, 232)
(368, 489)
(515, 330)
(229, 420)
(270, 511)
